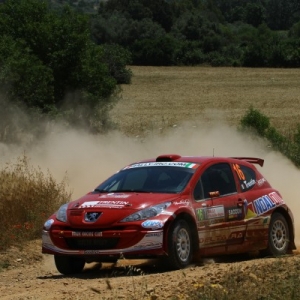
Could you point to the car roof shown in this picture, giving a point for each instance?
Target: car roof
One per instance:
(204, 159)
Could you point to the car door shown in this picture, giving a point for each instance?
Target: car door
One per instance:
(256, 204)
(219, 212)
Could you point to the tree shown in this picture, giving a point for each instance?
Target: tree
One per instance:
(23, 76)
(280, 14)
(154, 52)
(254, 14)
(46, 55)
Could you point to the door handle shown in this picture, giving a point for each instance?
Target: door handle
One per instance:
(240, 203)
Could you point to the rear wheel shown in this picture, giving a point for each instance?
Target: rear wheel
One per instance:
(279, 236)
(68, 265)
(180, 250)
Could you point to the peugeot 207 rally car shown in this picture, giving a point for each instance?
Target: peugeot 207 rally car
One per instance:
(172, 207)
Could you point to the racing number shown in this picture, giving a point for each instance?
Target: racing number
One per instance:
(239, 172)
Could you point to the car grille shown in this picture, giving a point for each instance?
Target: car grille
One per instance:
(92, 244)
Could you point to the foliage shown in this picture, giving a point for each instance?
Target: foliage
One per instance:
(46, 55)
(256, 32)
(256, 121)
(116, 57)
(156, 52)
(227, 33)
(21, 73)
(28, 197)
(260, 124)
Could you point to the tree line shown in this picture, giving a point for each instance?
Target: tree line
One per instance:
(255, 33)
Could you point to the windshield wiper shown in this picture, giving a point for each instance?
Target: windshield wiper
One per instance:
(130, 191)
(100, 191)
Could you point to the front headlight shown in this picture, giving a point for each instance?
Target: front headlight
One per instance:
(61, 214)
(147, 213)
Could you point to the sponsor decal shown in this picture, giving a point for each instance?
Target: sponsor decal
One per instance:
(207, 213)
(267, 202)
(215, 212)
(239, 172)
(261, 181)
(201, 214)
(150, 241)
(212, 239)
(236, 235)
(256, 233)
(234, 213)
(86, 234)
(249, 210)
(161, 164)
(92, 251)
(242, 178)
(249, 184)
(153, 224)
(266, 220)
(88, 204)
(148, 245)
(167, 213)
(115, 195)
(103, 203)
(185, 202)
(211, 222)
(154, 234)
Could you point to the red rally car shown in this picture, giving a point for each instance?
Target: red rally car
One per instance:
(173, 207)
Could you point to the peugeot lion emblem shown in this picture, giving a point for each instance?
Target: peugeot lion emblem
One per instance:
(91, 216)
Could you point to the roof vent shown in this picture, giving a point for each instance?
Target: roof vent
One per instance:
(168, 157)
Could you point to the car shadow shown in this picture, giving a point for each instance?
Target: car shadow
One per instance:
(136, 267)
(120, 268)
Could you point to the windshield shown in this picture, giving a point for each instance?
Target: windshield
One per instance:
(156, 179)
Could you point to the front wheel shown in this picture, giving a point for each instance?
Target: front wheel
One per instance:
(180, 250)
(279, 236)
(68, 265)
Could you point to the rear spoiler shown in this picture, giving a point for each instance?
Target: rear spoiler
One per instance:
(252, 160)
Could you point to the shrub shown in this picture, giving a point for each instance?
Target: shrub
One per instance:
(256, 121)
(260, 124)
(28, 197)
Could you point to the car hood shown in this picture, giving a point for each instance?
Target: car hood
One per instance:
(113, 207)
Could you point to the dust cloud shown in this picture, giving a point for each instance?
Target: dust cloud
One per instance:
(89, 159)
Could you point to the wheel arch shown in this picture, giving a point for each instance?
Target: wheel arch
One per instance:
(290, 223)
(193, 227)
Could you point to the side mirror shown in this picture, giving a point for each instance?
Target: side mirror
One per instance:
(214, 194)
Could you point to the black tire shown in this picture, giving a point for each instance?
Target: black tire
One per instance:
(180, 246)
(279, 236)
(68, 265)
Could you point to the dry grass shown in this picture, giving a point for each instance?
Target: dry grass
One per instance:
(160, 97)
(28, 197)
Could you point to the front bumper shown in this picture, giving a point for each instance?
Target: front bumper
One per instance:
(67, 242)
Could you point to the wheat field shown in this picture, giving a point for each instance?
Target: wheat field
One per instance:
(163, 97)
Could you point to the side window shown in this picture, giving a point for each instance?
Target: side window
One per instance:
(219, 178)
(246, 176)
(198, 191)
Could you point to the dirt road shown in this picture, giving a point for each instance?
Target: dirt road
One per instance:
(27, 274)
